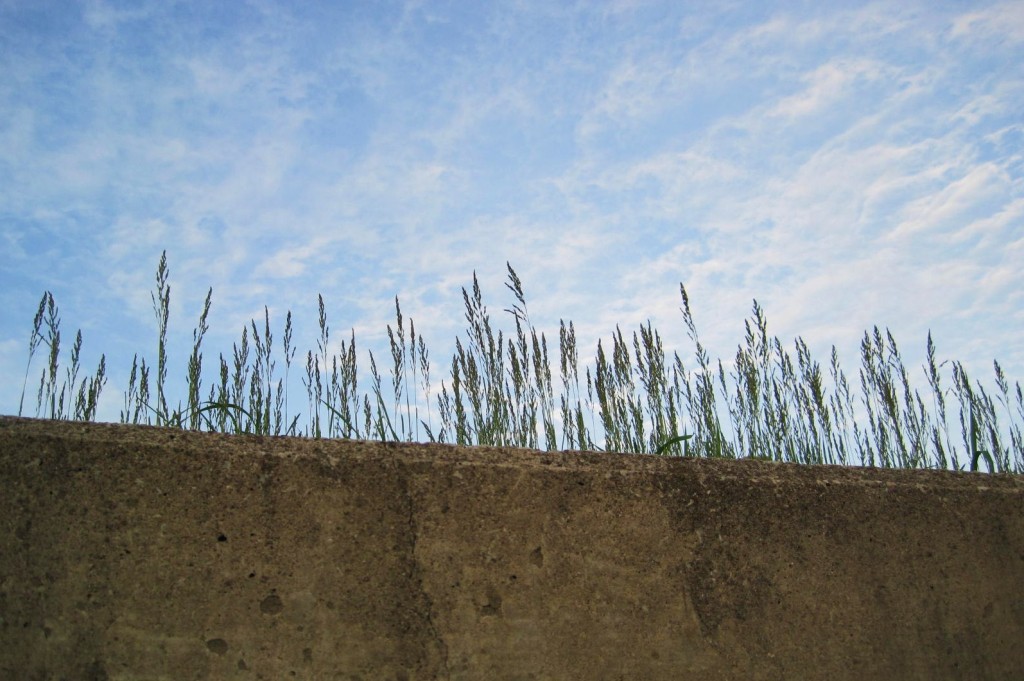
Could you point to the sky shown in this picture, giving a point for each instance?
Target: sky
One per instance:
(845, 164)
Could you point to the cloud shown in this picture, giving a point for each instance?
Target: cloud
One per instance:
(955, 201)
(828, 85)
(1002, 21)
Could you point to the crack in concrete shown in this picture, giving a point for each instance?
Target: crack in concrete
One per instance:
(415, 575)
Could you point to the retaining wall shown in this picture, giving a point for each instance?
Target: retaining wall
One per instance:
(147, 553)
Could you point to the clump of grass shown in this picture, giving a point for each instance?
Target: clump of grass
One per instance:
(770, 404)
(61, 401)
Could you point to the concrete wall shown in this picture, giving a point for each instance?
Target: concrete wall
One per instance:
(145, 553)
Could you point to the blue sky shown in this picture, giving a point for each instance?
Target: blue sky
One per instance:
(846, 164)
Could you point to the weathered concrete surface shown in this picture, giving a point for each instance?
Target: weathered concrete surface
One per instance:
(144, 553)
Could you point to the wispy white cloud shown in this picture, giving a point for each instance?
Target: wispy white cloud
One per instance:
(999, 21)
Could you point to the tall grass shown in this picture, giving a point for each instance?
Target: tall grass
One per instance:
(772, 403)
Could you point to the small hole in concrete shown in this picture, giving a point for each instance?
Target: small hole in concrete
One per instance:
(217, 645)
(271, 605)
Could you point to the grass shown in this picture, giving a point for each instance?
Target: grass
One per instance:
(771, 404)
